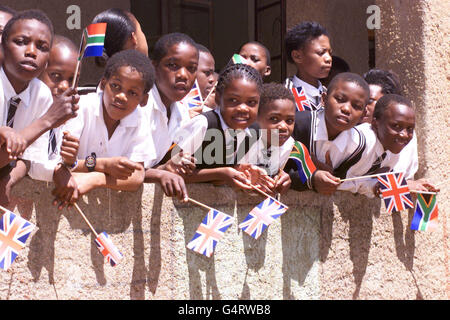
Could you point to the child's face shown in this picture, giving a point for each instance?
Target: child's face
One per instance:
(256, 57)
(313, 61)
(239, 103)
(58, 75)
(138, 41)
(344, 106)
(26, 52)
(122, 93)
(396, 127)
(280, 116)
(205, 73)
(375, 94)
(4, 18)
(176, 72)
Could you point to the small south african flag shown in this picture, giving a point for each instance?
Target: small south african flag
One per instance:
(93, 41)
(303, 160)
(426, 213)
(235, 59)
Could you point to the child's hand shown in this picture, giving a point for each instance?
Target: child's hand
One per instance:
(282, 182)
(257, 177)
(119, 167)
(63, 108)
(195, 111)
(173, 185)
(66, 188)
(236, 179)
(325, 183)
(421, 185)
(13, 142)
(69, 148)
(181, 163)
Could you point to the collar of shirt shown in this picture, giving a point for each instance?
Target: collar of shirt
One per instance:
(130, 121)
(341, 141)
(310, 90)
(9, 92)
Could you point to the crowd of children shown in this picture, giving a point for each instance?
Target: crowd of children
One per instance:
(134, 130)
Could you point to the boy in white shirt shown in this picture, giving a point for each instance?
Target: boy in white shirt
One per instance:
(113, 136)
(26, 104)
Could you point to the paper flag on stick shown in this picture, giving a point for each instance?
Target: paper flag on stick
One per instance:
(14, 232)
(395, 192)
(426, 213)
(193, 98)
(108, 249)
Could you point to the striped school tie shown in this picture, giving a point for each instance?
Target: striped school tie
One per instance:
(376, 164)
(52, 142)
(13, 103)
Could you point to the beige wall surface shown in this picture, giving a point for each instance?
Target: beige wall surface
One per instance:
(339, 247)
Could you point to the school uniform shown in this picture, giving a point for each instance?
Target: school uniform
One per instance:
(375, 157)
(34, 102)
(162, 129)
(345, 150)
(213, 143)
(312, 93)
(130, 139)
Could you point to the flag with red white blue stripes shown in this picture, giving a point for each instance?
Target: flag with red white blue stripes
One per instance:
(108, 249)
(301, 100)
(395, 192)
(14, 232)
(193, 98)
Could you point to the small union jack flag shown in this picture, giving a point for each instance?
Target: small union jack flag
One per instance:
(194, 97)
(301, 100)
(210, 232)
(261, 217)
(14, 232)
(108, 249)
(395, 192)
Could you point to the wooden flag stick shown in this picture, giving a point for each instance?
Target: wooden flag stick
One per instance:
(367, 177)
(265, 194)
(422, 192)
(75, 77)
(199, 204)
(213, 89)
(4, 209)
(85, 219)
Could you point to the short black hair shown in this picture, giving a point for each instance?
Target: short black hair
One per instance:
(238, 71)
(7, 9)
(300, 34)
(168, 40)
(61, 40)
(32, 14)
(273, 91)
(202, 48)
(266, 51)
(386, 79)
(349, 77)
(119, 28)
(136, 60)
(385, 101)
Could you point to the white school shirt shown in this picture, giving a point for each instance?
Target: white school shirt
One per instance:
(34, 103)
(340, 148)
(162, 130)
(192, 133)
(405, 161)
(271, 159)
(130, 139)
(43, 170)
(313, 94)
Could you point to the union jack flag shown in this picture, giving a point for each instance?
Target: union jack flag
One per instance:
(194, 97)
(14, 232)
(210, 232)
(301, 100)
(108, 249)
(261, 217)
(395, 192)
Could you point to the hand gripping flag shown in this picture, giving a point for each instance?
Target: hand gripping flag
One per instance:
(426, 213)
(210, 232)
(14, 232)
(261, 217)
(301, 100)
(302, 159)
(93, 41)
(194, 97)
(395, 192)
(108, 249)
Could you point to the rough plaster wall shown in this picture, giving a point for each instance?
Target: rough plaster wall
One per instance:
(339, 247)
(345, 21)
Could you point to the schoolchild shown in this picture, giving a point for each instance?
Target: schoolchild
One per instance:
(308, 47)
(258, 56)
(205, 75)
(6, 13)
(111, 130)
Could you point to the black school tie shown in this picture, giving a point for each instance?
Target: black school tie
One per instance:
(13, 103)
(52, 142)
(376, 164)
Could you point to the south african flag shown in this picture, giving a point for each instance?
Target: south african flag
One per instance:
(93, 41)
(301, 157)
(426, 213)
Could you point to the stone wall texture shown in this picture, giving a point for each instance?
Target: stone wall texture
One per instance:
(340, 247)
